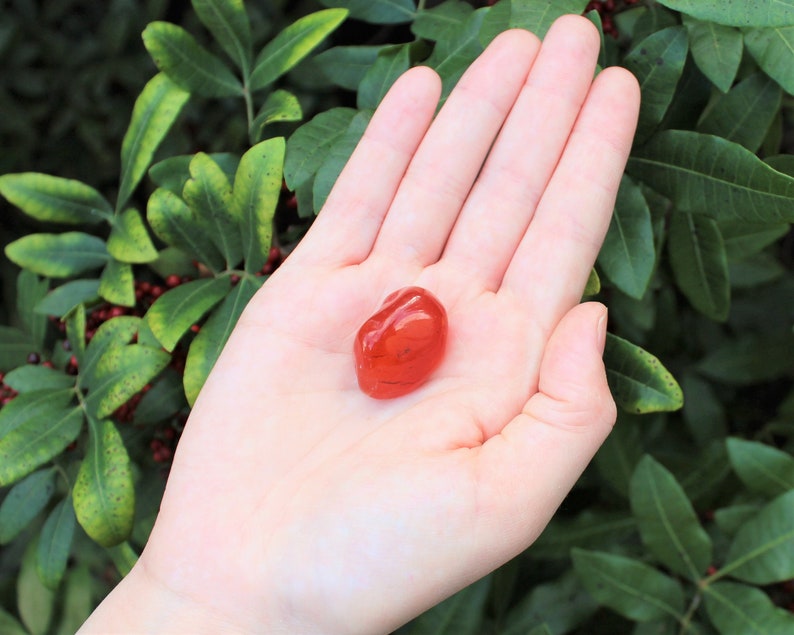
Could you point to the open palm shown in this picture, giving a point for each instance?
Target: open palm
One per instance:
(298, 503)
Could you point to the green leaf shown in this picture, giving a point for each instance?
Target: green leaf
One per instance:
(114, 332)
(460, 614)
(392, 62)
(209, 342)
(704, 413)
(31, 377)
(117, 283)
(24, 502)
(716, 49)
(55, 543)
(228, 22)
(155, 111)
(58, 255)
(737, 609)
(30, 291)
(699, 263)
(119, 373)
(630, 587)
(292, 44)
(66, 297)
(638, 380)
(104, 495)
(9, 625)
(772, 50)
(758, 13)
(762, 468)
(593, 285)
(619, 454)
(453, 55)
(35, 602)
(188, 64)
(173, 222)
(15, 346)
(762, 552)
(78, 601)
(345, 66)
(628, 255)
(592, 529)
(35, 427)
(562, 604)
(376, 11)
(533, 15)
(760, 269)
(55, 200)
(172, 173)
(129, 239)
(745, 113)
(256, 192)
(75, 331)
(706, 174)
(209, 196)
(337, 158)
(437, 22)
(165, 399)
(668, 525)
(279, 106)
(657, 62)
(743, 240)
(174, 312)
(309, 145)
(750, 358)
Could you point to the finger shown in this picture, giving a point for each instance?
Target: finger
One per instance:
(556, 435)
(523, 158)
(551, 265)
(345, 229)
(451, 155)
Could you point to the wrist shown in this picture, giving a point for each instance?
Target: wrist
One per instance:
(141, 603)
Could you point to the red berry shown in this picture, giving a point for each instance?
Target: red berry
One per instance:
(173, 281)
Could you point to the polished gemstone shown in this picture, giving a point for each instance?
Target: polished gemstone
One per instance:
(401, 345)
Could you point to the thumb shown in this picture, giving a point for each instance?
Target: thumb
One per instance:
(572, 384)
(540, 454)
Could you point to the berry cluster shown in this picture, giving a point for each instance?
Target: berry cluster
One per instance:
(606, 10)
(6, 392)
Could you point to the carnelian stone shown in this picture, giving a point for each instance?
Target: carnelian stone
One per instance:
(401, 345)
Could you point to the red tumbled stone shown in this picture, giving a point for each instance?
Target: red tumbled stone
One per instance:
(400, 346)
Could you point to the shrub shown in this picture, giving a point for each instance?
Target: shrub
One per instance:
(683, 524)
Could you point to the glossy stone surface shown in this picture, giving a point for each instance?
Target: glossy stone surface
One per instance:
(401, 345)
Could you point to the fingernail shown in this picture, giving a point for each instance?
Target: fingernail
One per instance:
(601, 331)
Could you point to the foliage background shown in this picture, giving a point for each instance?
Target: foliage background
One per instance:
(683, 524)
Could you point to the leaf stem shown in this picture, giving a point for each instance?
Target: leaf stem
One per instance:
(249, 108)
(124, 557)
(690, 612)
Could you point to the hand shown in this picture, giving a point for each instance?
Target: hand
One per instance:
(296, 503)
